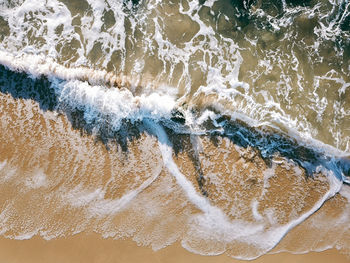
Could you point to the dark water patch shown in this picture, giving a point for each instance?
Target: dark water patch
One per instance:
(270, 143)
(299, 2)
(132, 5)
(183, 143)
(21, 86)
(344, 16)
(344, 163)
(103, 132)
(178, 116)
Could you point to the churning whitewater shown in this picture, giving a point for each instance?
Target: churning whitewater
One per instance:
(222, 124)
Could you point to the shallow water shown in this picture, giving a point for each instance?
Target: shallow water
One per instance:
(221, 124)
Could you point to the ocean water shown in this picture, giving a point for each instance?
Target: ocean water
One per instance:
(223, 125)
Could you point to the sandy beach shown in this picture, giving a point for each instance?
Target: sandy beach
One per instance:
(160, 210)
(94, 249)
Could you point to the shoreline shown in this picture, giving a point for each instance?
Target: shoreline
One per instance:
(54, 189)
(92, 248)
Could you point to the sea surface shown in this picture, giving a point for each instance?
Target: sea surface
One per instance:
(222, 125)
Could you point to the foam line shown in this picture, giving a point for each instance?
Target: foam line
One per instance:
(99, 206)
(40, 65)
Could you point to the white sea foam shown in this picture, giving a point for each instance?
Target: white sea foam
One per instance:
(7, 171)
(40, 65)
(37, 180)
(96, 202)
(3, 164)
(98, 102)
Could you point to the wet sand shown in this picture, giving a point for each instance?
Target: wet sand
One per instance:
(93, 249)
(42, 180)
